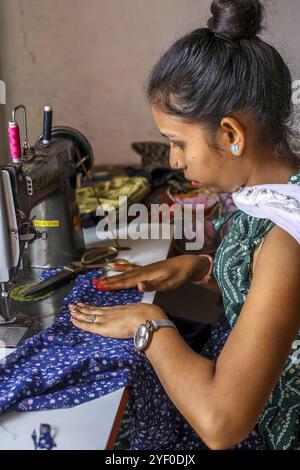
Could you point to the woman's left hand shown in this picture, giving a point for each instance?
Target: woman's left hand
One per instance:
(114, 322)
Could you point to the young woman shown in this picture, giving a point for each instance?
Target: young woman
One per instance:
(223, 97)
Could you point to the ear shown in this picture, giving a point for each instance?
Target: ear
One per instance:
(232, 133)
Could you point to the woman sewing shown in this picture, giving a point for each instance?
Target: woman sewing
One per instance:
(223, 98)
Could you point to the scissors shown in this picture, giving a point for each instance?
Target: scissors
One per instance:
(93, 259)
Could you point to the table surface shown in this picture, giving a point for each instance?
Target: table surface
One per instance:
(88, 426)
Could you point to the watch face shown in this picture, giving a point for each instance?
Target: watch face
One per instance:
(141, 337)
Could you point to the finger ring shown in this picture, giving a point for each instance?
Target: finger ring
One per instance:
(92, 318)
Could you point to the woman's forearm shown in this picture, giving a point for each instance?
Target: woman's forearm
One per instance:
(188, 379)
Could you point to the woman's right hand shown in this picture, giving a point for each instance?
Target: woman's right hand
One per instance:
(160, 276)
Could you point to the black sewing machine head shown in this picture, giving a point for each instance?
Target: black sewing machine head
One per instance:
(38, 203)
(44, 186)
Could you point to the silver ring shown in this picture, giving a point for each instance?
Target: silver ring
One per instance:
(92, 318)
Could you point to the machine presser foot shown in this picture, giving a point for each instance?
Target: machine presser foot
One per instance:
(12, 332)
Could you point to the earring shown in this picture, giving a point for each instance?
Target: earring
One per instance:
(235, 148)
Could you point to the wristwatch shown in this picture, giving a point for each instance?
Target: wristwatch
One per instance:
(142, 336)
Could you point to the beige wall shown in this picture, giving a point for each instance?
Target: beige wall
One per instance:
(89, 59)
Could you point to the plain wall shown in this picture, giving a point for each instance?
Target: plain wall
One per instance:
(90, 60)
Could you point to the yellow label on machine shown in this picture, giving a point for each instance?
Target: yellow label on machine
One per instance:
(46, 223)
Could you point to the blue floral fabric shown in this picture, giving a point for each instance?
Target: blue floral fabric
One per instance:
(46, 440)
(63, 366)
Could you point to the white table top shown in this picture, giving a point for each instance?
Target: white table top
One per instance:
(86, 426)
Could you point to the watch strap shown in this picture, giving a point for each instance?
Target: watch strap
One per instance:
(162, 324)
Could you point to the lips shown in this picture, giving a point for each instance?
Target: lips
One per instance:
(195, 184)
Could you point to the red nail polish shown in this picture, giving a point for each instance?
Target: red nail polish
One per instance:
(98, 282)
(100, 286)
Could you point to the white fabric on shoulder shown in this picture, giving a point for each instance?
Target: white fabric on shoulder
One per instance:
(279, 203)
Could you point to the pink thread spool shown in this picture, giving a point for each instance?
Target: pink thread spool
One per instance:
(14, 141)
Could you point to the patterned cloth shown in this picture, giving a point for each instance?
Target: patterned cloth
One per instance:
(279, 424)
(279, 203)
(134, 188)
(63, 366)
(45, 440)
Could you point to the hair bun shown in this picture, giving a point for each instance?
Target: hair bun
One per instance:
(236, 19)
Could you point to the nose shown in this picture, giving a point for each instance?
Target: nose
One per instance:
(176, 163)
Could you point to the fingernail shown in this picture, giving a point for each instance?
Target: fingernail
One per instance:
(80, 304)
(100, 286)
(95, 281)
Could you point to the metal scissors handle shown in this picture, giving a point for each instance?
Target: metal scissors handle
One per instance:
(100, 257)
(93, 258)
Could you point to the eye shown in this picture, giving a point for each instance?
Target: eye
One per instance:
(177, 145)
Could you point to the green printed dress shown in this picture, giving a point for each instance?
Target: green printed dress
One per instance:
(279, 423)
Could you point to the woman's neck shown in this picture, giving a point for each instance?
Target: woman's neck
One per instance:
(271, 173)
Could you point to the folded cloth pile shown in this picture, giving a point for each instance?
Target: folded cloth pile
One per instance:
(134, 188)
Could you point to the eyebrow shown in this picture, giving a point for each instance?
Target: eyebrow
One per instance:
(169, 135)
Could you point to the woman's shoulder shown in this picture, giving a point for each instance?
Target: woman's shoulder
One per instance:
(278, 242)
(279, 239)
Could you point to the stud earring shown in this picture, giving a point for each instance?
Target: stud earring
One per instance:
(235, 148)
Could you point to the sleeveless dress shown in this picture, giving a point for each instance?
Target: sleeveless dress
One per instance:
(153, 421)
(279, 423)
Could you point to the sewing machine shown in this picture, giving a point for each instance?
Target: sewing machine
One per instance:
(38, 208)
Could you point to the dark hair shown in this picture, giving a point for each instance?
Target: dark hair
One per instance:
(224, 69)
